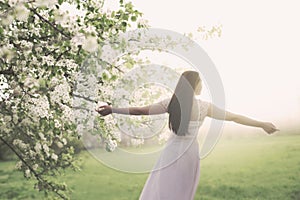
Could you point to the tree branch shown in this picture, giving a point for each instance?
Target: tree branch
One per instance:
(39, 178)
(85, 98)
(49, 23)
(7, 71)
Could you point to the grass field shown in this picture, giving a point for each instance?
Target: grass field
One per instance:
(256, 167)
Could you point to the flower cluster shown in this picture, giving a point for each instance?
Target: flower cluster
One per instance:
(137, 142)
(5, 90)
(111, 145)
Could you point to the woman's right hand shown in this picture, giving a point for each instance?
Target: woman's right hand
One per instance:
(104, 110)
(269, 127)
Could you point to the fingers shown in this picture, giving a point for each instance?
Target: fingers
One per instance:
(97, 110)
(100, 108)
(100, 111)
(103, 110)
(273, 130)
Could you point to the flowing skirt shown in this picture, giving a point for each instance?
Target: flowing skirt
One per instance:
(176, 173)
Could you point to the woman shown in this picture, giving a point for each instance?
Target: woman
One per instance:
(176, 173)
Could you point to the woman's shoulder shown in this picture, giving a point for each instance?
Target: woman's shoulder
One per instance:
(203, 106)
(168, 99)
(202, 101)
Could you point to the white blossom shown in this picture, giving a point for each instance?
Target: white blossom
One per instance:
(45, 3)
(113, 31)
(90, 30)
(57, 124)
(60, 92)
(67, 63)
(67, 113)
(27, 173)
(78, 39)
(42, 136)
(35, 166)
(143, 22)
(26, 44)
(111, 145)
(32, 154)
(19, 143)
(38, 147)
(54, 156)
(68, 14)
(90, 44)
(137, 142)
(19, 165)
(5, 90)
(6, 52)
(108, 53)
(15, 2)
(21, 12)
(46, 149)
(48, 60)
(7, 20)
(55, 81)
(30, 82)
(44, 13)
(71, 9)
(64, 141)
(115, 134)
(59, 144)
(164, 136)
(39, 107)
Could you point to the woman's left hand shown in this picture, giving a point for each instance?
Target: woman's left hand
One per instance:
(104, 110)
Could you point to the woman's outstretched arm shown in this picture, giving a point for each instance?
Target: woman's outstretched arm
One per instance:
(153, 109)
(217, 113)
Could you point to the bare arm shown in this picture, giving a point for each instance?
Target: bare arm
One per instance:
(153, 109)
(217, 113)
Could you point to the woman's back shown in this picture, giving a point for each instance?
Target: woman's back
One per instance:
(198, 112)
(176, 173)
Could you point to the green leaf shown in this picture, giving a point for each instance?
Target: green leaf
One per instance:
(113, 77)
(124, 23)
(104, 76)
(133, 18)
(125, 17)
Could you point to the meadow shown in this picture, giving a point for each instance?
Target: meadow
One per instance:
(256, 167)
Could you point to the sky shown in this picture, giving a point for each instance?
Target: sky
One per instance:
(257, 55)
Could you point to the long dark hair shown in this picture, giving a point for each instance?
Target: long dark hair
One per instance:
(180, 106)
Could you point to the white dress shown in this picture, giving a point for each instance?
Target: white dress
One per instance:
(177, 171)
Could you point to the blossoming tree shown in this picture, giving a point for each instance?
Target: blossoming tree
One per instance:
(43, 43)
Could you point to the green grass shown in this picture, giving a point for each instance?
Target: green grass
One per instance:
(261, 167)
(257, 167)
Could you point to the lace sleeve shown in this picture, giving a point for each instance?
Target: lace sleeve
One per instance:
(204, 108)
